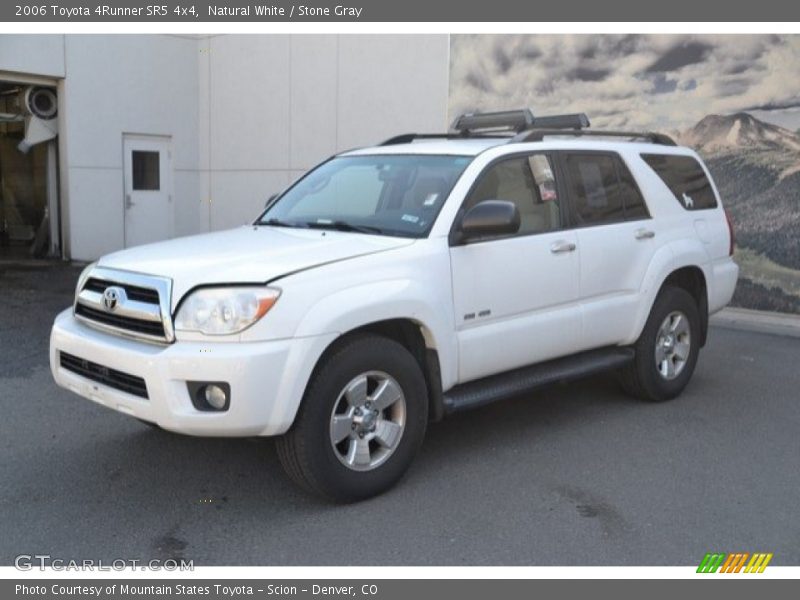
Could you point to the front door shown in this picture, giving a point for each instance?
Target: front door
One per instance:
(516, 298)
(149, 215)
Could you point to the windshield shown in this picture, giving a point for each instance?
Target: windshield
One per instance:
(398, 195)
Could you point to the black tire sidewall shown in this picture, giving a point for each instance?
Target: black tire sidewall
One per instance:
(356, 356)
(670, 299)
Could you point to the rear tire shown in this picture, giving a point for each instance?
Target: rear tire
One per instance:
(361, 422)
(667, 349)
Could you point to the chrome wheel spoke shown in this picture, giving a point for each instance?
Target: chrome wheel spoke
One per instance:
(386, 394)
(673, 345)
(341, 427)
(680, 325)
(356, 392)
(366, 428)
(670, 364)
(663, 367)
(660, 354)
(358, 454)
(387, 433)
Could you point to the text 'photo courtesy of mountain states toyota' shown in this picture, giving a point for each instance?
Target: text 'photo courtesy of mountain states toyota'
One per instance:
(359, 306)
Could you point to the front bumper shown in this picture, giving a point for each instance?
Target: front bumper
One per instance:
(267, 379)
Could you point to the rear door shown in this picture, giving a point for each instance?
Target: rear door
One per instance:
(617, 239)
(515, 297)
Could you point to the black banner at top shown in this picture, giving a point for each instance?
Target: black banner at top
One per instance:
(398, 11)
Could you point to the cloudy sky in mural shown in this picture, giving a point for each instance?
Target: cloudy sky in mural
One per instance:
(634, 81)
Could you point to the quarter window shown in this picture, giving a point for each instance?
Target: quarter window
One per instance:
(685, 178)
(528, 182)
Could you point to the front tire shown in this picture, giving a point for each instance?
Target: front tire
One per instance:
(361, 422)
(667, 349)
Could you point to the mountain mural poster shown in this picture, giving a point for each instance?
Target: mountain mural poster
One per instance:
(733, 98)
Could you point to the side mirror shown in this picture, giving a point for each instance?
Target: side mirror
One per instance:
(270, 200)
(490, 217)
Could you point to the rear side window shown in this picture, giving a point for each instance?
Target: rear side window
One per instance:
(685, 178)
(602, 190)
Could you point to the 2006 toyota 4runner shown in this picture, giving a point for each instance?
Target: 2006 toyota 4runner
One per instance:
(393, 285)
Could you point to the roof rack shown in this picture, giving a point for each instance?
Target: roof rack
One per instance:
(515, 121)
(537, 135)
(522, 126)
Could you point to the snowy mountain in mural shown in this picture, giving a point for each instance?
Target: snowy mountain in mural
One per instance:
(756, 166)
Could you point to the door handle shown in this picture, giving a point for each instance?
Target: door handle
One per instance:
(562, 246)
(128, 203)
(645, 234)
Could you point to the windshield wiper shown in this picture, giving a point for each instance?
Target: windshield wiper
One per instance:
(278, 223)
(343, 226)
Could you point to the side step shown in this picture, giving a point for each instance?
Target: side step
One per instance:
(513, 383)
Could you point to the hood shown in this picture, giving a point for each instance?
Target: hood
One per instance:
(245, 255)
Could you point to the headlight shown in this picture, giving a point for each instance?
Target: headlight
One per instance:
(224, 310)
(83, 277)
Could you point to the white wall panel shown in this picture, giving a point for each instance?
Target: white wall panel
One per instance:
(32, 54)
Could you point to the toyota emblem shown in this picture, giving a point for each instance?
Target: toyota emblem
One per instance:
(112, 297)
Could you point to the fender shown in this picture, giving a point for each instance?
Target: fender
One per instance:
(684, 252)
(361, 305)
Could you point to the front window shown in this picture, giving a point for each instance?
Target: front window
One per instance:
(528, 182)
(399, 195)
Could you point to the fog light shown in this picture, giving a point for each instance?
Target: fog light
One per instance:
(210, 396)
(216, 397)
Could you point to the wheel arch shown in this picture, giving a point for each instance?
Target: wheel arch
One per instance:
(684, 265)
(415, 337)
(692, 279)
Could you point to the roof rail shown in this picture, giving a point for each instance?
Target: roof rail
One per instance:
(537, 135)
(407, 138)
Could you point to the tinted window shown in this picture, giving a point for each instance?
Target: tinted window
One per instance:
(528, 182)
(635, 207)
(685, 178)
(596, 192)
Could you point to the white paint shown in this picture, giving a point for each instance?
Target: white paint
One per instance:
(41, 55)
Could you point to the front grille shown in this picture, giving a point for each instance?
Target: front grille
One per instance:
(120, 322)
(133, 292)
(110, 377)
(138, 309)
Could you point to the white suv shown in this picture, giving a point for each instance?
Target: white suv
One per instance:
(393, 285)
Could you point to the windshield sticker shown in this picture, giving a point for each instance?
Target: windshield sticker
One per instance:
(431, 199)
(410, 218)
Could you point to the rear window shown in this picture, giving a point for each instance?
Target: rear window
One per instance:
(685, 178)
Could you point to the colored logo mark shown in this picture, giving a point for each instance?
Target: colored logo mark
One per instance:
(738, 562)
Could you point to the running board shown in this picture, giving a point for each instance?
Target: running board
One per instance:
(513, 383)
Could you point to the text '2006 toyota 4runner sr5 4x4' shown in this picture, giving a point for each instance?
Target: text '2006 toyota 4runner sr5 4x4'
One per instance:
(393, 285)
